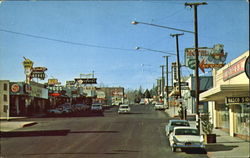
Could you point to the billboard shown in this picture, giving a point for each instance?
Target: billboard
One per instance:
(86, 80)
(208, 57)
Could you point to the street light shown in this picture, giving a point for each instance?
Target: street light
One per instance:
(152, 50)
(166, 27)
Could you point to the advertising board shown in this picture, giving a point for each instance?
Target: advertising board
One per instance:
(208, 57)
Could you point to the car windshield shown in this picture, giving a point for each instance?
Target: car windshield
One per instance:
(96, 105)
(186, 132)
(124, 107)
(179, 124)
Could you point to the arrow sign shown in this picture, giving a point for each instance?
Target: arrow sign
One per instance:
(202, 66)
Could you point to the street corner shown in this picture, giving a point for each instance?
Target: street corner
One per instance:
(7, 126)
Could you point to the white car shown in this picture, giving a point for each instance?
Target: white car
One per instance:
(159, 106)
(96, 107)
(175, 123)
(59, 110)
(124, 108)
(186, 137)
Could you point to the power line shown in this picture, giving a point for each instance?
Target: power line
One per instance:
(63, 41)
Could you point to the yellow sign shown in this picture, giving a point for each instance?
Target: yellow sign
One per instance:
(28, 64)
(52, 81)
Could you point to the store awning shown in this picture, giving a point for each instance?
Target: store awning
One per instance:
(219, 93)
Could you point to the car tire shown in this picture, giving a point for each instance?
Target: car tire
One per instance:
(173, 149)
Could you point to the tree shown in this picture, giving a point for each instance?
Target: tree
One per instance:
(147, 94)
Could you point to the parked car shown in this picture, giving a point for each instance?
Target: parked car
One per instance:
(175, 123)
(159, 106)
(80, 107)
(124, 108)
(59, 110)
(186, 137)
(96, 107)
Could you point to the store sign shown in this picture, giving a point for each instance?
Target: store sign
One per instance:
(15, 88)
(247, 67)
(208, 57)
(40, 69)
(234, 70)
(54, 94)
(182, 84)
(52, 81)
(100, 94)
(86, 80)
(28, 64)
(70, 83)
(237, 100)
(40, 75)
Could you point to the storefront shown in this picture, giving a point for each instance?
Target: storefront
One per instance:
(229, 98)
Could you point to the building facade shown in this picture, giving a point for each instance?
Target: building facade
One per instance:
(229, 102)
(4, 98)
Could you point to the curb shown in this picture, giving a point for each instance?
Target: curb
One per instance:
(29, 124)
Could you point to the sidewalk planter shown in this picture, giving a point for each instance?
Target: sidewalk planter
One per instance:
(210, 138)
(207, 128)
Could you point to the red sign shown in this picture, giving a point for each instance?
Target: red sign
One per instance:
(55, 94)
(15, 88)
(234, 69)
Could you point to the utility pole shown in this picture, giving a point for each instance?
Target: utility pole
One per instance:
(162, 80)
(178, 73)
(197, 81)
(166, 80)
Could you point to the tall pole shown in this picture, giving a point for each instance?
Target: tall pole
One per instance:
(178, 72)
(162, 81)
(167, 80)
(197, 81)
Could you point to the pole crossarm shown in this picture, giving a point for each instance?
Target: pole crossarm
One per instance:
(195, 4)
(166, 27)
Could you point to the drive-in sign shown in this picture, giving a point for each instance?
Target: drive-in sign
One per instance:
(208, 57)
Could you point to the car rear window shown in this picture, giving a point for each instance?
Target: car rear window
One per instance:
(186, 132)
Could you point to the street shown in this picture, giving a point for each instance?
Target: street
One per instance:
(136, 135)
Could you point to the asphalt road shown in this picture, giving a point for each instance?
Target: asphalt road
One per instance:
(136, 135)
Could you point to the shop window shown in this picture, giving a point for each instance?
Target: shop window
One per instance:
(5, 97)
(242, 113)
(5, 108)
(5, 87)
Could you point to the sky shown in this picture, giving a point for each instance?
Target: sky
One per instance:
(70, 38)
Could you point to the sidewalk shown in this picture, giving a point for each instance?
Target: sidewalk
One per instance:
(14, 123)
(226, 146)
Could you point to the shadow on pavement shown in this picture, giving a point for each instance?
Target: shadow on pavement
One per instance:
(194, 151)
(47, 133)
(94, 132)
(220, 147)
(75, 153)
(34, 133)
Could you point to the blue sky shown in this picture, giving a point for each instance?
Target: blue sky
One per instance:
(74, 37)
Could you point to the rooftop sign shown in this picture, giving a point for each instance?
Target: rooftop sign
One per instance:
(208, 57)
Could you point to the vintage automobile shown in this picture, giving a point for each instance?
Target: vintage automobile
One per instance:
(124, 108)
(96, 107)
(159, 106)
(175, 123)
(186, 138)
